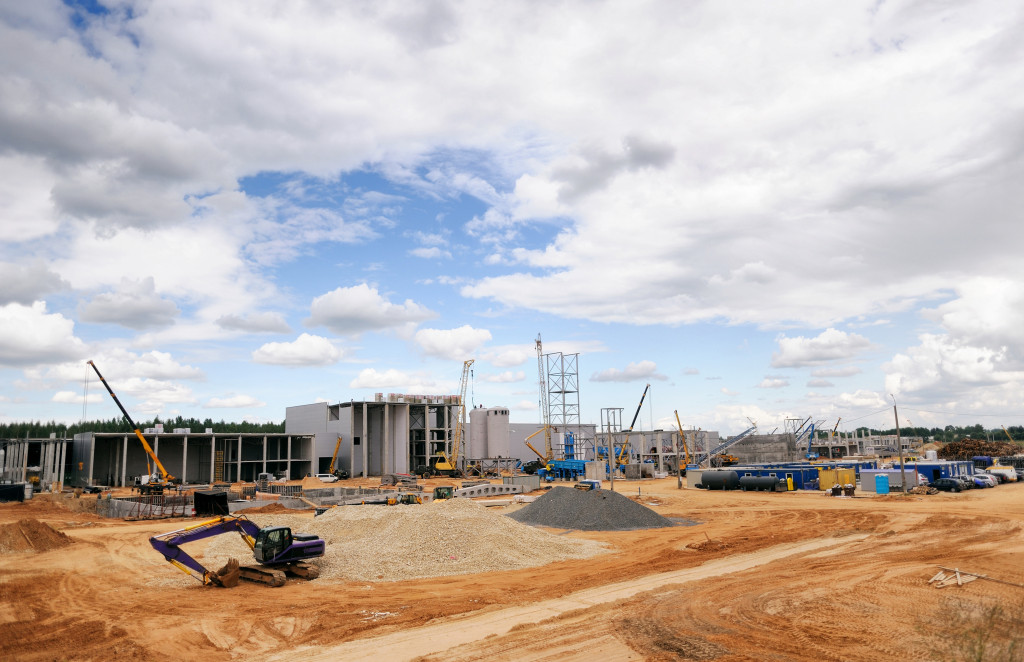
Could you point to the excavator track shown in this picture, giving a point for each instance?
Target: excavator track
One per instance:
(263, 575)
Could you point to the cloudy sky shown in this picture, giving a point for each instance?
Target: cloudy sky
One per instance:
(764, 210)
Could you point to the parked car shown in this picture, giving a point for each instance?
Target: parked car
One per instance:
(994, 478)
(327, 478)
(947, 485)
(984, 480)
(966, 482)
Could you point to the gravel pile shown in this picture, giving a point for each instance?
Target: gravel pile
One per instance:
(590, 510)
(392, 543)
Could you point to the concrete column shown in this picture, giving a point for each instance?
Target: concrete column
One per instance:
(213, 457)
(264, 453)
(408, 441)
(184, 458)
(238, 464)
(365, 443)
(92, 460)
(44, 462)
(385, 447)
(61, 462)
(124, 464)
(352, 440)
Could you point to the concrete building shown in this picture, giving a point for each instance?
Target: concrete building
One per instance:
(42, 462)
(392, 434)
(117, 459)
(583, 440)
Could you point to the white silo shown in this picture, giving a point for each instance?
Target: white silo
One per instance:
(477, 446)
(497, 432)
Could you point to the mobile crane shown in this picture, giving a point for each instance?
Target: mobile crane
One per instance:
(156, 482)
(448, 463)
(275, 548)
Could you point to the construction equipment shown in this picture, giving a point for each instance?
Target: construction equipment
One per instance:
(444, 492)
(682, 440)
(275, 548)
(545, 410)
(623, 451)
(448, 462)
(717, 455)
(587, 485)
(337, 471)
(155, 483)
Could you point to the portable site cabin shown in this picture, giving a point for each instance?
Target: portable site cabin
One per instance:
(935, 469)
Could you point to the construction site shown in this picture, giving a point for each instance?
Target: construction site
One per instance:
(388, 530)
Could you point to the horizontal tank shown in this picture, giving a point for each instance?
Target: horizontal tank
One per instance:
(762, 483)
(720, 480)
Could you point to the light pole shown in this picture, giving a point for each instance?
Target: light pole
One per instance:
(899, 445)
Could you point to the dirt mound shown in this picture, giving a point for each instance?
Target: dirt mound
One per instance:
(437, 539)
(591, 510)
(30, 535)
(269, 508)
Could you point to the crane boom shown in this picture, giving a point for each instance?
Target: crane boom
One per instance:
(682, 438)
(164, 476)
(625, 443)
(545, 412)
(449, 460)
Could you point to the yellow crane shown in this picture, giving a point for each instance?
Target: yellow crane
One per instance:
(156, 483)
(448, 464)
(682, 438)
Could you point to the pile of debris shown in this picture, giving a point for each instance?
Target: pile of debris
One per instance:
(965, 449)
(31, 535)
(590, 510)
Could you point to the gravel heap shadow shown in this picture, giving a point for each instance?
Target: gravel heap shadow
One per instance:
(591, 510)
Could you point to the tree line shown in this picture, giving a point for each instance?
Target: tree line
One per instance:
(948, 433)
(42, 430)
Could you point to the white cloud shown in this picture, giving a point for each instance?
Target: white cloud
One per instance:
(306, 350)
(355, 310)
(29, 336)
(830, 345)
(819, 383)
(25, 203)
(635, 371)
(843, 371)
(524, 405)
(74, 398)
(26, 283)
(233, 402)
(402, 381)
(770, 382)
(430, 253)
(135, 305)
(455, 344)
(266, 322)
(506, 377)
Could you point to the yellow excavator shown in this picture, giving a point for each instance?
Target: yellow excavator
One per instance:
(155, 482)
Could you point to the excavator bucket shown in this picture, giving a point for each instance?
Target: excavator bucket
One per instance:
(226, 576)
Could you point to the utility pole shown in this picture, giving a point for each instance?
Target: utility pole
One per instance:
(899, 445)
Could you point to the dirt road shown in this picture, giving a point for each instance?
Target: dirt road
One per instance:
(791, 576)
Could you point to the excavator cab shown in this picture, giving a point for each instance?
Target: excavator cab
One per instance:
(271, 543)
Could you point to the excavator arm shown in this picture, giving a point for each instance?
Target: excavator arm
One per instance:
(169, 544)
(273, 546)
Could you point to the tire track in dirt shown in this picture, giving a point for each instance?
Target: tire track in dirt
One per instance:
(461, 630)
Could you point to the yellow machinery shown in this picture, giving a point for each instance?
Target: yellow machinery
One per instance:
(157, 482)
(448, 464)
(682, 438)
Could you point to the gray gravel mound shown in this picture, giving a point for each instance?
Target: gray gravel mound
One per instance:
(592, 510)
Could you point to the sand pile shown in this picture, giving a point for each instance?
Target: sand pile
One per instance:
(30, 535)
(392, 543)
(591, 510)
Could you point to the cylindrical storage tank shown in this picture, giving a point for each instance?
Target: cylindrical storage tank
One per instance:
(497, 432)
(720, 480)
(881, 484)
(477, 446)
(931, 455)
(767, 483)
